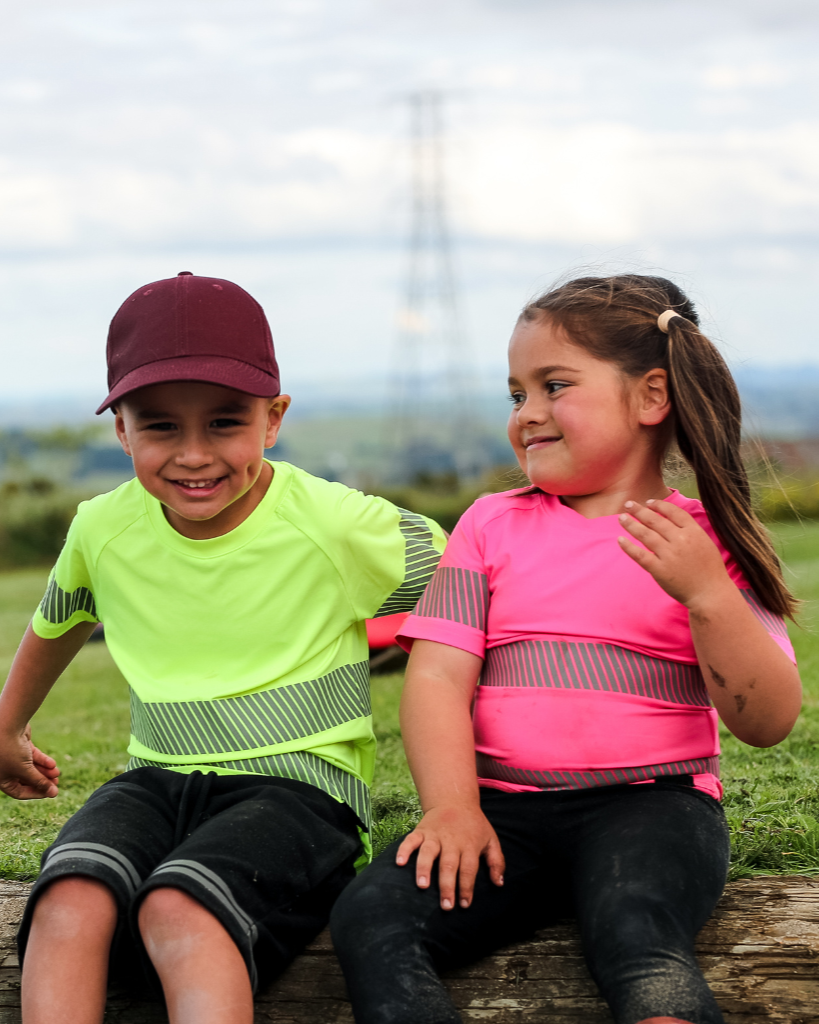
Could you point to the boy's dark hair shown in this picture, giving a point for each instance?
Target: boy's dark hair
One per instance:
(615, 318)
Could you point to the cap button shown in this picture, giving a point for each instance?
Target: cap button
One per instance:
(185, 273)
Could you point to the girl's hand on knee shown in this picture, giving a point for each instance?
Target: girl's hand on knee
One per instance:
(676, 550)
(457, 837)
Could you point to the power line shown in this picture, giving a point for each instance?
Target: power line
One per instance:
(434, 428)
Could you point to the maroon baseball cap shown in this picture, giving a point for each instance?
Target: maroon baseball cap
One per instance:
(191, 328)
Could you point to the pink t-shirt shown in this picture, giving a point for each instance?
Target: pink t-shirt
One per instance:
(590, 675)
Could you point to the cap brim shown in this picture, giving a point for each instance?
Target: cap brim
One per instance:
(228, 373)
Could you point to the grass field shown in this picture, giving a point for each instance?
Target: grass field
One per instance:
(772, 799)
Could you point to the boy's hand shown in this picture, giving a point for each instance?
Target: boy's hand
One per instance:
(676, 550)
(26, 773)
(457, 837)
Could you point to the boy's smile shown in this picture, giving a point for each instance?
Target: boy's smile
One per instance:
(199, 449)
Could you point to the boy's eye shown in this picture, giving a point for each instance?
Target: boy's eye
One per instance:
(161, 426)
(224, 422)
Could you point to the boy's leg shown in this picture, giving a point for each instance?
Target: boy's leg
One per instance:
(87, 880)
(650, 865)
(65, 972)
(393, 938)
(262, 868)
(203, 974)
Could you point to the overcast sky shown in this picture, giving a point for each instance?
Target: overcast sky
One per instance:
(264, 141)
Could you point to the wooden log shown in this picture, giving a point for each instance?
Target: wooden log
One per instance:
(760, 953)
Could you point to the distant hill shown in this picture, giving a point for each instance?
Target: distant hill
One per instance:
(340, 429)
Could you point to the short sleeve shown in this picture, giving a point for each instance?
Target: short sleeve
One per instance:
(69, 597)
(386, 555)
(453, 608)
(775, 624)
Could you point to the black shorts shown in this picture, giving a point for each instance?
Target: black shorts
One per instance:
(266, 856)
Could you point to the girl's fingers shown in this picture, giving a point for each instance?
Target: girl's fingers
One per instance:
(668, 510)
(408, 847)
(466, 878)
(448, 865)
(651, 518)
(648, 536)
(495, 861)
(640, 555)
(425, 863)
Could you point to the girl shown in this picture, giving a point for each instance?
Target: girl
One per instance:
(576, 644)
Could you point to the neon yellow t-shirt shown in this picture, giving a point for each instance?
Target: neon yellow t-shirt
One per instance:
(246, 653)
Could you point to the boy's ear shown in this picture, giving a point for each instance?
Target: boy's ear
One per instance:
(119, 426)
(275, 415)
(654, 398)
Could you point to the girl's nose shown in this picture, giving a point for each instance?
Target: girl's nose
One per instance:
(531, 411)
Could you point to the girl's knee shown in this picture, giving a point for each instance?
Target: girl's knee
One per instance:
(372, 906)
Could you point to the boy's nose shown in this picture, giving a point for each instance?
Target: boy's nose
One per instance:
(194, 456)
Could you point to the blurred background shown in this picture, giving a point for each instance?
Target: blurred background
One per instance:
(393, 181)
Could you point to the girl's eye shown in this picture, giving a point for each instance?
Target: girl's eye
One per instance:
(517, 398)
(553, 386)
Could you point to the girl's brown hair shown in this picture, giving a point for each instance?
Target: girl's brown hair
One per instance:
(615, 318)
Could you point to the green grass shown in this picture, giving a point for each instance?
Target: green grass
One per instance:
(772, 797)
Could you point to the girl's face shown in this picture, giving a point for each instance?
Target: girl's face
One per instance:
(578, 425)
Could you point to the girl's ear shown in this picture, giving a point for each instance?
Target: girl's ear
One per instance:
(654, 401)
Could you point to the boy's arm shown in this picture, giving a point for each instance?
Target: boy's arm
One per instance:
(25, 772)
(437, 728)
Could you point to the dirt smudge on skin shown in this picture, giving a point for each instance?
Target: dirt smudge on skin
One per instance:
(718, 679)
(740, 702)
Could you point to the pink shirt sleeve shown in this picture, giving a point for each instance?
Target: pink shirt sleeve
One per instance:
(453, 608)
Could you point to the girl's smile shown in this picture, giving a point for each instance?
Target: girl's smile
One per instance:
(579, 427)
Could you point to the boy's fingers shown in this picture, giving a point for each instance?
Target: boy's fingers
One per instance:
(41, 758)
(29, 785)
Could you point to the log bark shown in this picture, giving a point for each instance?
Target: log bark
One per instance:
(760, 954)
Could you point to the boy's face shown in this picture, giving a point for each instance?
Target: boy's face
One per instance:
(198, 448)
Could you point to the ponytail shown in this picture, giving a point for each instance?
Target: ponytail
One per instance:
(616, 319)
(708, 427)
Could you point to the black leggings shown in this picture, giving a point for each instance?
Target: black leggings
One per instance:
(641, 867)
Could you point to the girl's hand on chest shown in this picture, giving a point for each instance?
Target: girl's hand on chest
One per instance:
(676, 550)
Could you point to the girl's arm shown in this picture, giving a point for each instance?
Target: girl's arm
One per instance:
(25, 772)
(752, 682)
(437, 728)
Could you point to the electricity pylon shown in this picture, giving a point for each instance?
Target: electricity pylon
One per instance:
(434, 428)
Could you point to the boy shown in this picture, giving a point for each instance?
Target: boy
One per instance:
(234, 593)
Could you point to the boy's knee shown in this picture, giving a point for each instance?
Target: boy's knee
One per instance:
(169, 907)
(73, 903)
(166, 913)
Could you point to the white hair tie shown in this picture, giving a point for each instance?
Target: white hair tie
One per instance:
(663, 318)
